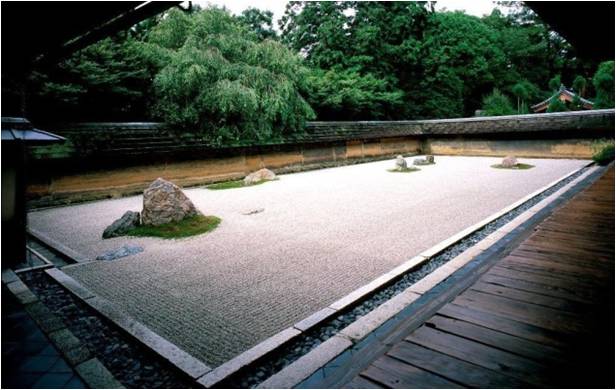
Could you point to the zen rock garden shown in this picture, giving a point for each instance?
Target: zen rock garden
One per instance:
(326, 230)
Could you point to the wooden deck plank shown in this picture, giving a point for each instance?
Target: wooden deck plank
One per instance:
(360, 382)
(530, 297)
(497, 339)
(481, 355)
(395, 374)
(558, 264)
(537, 288)
(451, 368)
(543, 317)
(505, 325)
(545, 279)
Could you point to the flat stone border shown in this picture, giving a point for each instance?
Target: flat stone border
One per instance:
(377, 316)
(176, 356)
(58, 246)
(76, 354)
(46, 262)
(299, 370)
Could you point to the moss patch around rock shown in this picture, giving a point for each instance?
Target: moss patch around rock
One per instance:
(516, 167)
(187, 227)
(404, 170)
(226, 185)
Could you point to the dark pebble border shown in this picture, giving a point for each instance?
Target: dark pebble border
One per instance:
(256, 373)
(130, 363)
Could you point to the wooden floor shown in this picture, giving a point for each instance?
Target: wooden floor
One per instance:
(543, 316)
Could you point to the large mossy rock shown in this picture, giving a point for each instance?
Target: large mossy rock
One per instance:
(164, 202)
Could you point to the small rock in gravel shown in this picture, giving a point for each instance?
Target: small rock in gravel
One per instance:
(429, 159)
(400, 163)
(124, 251)
(509, 162)
(253, 211)
(259, 176)
(121, 226)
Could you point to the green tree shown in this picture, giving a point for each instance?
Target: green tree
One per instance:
(225, 84)
(497, 104)
(338, 93)
(258, 21)
(318, 30)
(603, 81)
(106, 81)
(462, 53)
(524, 91)
(555, 83)
(557, 105)
(579, 85)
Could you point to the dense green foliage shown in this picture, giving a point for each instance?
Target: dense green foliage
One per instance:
(260, 22)
(497, 104)
(603, 151)
(604, 85)
(234, 79)
(105, 81)
(224, 84)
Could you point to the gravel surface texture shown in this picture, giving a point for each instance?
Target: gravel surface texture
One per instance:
(322, 234)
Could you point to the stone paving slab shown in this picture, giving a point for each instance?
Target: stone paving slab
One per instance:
(29, 360)
(97, 376)
(323, 234)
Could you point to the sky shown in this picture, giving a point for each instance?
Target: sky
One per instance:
(472, 7)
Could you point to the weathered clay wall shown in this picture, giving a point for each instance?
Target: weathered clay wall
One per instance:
(112, 160)
(53, 188)
(539, 148)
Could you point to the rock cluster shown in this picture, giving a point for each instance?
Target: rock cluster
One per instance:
(164, 202)
(400, 164)
(429, 159)
(509, 162)
(121, 226)
(259, 176)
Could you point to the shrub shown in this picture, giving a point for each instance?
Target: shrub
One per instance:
(603, 151)
(497, 104)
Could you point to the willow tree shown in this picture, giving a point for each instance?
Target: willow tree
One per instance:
(222, 82)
